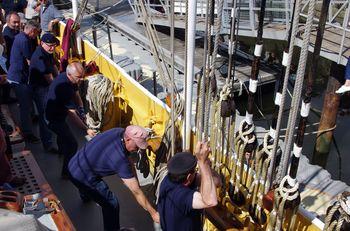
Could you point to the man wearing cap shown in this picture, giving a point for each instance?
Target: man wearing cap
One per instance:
(42, 70)
(62, 100)
(104, 155)
(179, 204)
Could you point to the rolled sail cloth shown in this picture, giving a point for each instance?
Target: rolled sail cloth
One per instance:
(99, 93)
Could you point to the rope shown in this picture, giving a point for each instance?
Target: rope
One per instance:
(99, 95)
(284, 88)
(338, 214)
(298, 87)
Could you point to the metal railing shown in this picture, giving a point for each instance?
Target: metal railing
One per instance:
(277, 13)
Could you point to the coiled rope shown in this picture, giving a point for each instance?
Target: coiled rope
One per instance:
(338, 214)
(99, 96)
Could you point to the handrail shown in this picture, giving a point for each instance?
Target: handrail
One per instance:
(278, 13)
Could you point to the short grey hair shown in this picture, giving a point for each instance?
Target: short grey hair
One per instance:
(9, 15)
(31, 24)
(74, 67)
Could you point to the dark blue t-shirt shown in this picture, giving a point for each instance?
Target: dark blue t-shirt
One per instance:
(59, 98)
(22, 49)
(175, 207)
(9, 36)
(41, 63)
(102, 156)
(12, 5)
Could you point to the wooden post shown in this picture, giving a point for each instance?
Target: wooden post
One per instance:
(329, 115)
(110, 41)
(94, 35)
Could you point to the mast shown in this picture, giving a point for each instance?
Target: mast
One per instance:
(192, 7)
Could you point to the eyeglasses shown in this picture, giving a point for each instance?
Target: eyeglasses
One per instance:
(50, 44)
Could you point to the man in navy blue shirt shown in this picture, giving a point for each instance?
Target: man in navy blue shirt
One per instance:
(108, 154)
(42, 71)
(21, 52)
(13, 22)
(62, 100)
(9, 33)
(179, 204)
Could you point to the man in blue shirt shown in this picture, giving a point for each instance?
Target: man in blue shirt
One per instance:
(42, 70)
(108, 154)
(179, 204)
(62, 100)
(21, 52)
(346, 86)
(9, 33)
(13, 22)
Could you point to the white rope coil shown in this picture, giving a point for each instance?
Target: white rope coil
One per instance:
(305, 109)
(285, 59)
(99, 95)
(297, 150)
(253, 84)
(258, 50)
(278, 99)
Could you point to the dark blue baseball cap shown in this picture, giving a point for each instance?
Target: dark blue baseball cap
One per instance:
(181, 163)
(50, 39)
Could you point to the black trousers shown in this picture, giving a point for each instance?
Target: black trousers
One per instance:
(66, 142)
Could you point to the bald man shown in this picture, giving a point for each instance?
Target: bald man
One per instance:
(62, 100)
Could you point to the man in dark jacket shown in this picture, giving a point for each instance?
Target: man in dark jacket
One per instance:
(63, 99)
(42, 71)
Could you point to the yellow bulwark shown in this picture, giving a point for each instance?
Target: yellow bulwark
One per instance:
(136, 105)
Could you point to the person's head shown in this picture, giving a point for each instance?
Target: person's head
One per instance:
(45, 2)
(48, 42)
(135, 138)
(32, 29)
(13, 20)
(182, 168)
(75, 72)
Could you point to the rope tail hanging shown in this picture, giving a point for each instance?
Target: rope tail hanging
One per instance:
(287, 194)
(338, 214)
(245, 141)
(99, 96)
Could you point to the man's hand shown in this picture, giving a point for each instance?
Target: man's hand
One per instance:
(202, 151)
(155, 217)
(91, 132)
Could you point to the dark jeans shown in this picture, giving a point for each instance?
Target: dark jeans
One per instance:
(39, 95)
(67, 145)
(105, 198)
(24, 96)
